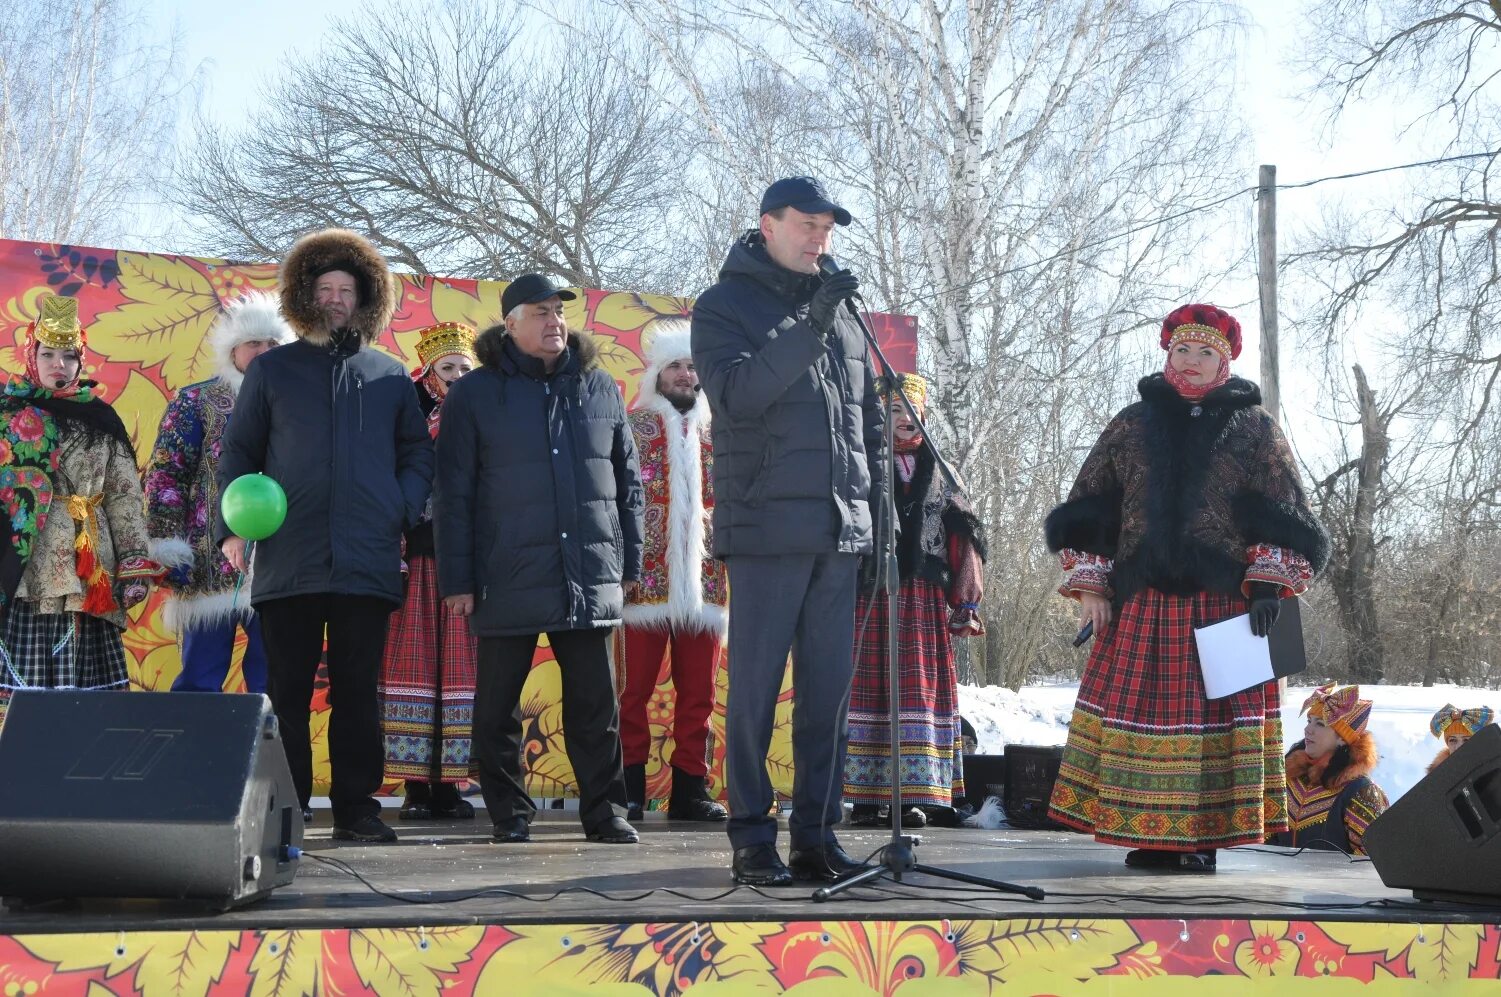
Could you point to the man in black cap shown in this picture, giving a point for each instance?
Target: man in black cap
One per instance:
(336, 423)
(785, 369)
(537, 516)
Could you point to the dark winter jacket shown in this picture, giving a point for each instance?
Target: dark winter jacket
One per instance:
(537, 509)
(1177, 491)
(794, 416)
(340, 430)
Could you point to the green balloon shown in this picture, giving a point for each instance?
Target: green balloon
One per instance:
(254, 506)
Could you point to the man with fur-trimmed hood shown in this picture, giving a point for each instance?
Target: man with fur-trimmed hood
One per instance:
(210, 599)
(678, 609)
(337, 424)
(537, 515)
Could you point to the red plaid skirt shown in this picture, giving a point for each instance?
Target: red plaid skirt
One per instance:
(1150, 761)
(427, 684)
(932, 750)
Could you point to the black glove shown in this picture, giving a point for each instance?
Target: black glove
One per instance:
(834, 290)
(1265, 607)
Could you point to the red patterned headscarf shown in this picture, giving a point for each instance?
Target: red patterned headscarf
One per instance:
(1206, 324)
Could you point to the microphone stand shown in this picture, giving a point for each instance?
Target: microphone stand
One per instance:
(897, 856)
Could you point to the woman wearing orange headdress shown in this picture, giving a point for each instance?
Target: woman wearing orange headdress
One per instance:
(1187, 511)
(1331, 799)
(1454, 727)
(76, 560)
(427, 681)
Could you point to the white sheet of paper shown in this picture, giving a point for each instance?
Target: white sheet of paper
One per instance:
(1232, 657)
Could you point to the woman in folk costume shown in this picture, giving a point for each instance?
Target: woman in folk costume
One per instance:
(427, 679)
(1188, 511)
(677, 611)
(210, 601)
(1331, 799)
(76, 560)
(1454, 727)
(940, 552)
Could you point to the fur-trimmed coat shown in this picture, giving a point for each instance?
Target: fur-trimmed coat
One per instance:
(1187, 497)
(681, 584)
(1332, 809)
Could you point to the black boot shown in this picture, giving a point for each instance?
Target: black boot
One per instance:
(635, 791)
(691, 801)
(418, 804)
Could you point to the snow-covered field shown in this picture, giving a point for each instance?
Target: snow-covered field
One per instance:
(1399, 721)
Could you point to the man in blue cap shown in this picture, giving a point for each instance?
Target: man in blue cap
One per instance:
(785, 369)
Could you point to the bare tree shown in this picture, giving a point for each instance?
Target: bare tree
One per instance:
(461, 143)
(87, 108)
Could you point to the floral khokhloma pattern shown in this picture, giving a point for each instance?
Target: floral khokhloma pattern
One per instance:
(1061, 957)
(147, 314)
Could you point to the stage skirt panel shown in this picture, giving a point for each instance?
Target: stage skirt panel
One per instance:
(1150, 761)
(58, 651)
(430, 661)
(932, 758)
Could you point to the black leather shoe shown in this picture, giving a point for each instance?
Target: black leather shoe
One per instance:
(704, 811)
(827, 863)
(366, 828)
(866, 815)
(415, 810)
(759, 865)
(307, 815)
(613, 831)
(447, 804)
(512, 830)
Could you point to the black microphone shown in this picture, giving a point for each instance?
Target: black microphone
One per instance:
(827, 265)
(1085, 632)
(697, 388)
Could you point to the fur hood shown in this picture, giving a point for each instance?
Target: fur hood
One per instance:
(672, 341)
(489, 348)
(254, 316)
(1362, 762)
(336, 248)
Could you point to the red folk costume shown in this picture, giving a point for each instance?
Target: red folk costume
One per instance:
(1189, 499)
(427, 679)
(940, 556)
(678, 609)
(1331, 800)
(1451, 721)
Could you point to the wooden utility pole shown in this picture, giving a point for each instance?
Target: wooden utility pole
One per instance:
(1266, 267)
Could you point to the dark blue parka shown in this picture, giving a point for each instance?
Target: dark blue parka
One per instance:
(538, 503)
(339, 428)
(797, 422)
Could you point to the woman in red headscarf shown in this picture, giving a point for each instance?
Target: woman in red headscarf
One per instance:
(76, 560)
(1331, 799)
(1188, 511)
(427, 681)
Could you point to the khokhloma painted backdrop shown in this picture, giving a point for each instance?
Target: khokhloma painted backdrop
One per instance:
(146, 316)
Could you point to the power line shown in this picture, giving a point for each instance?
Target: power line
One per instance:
(1186, 212)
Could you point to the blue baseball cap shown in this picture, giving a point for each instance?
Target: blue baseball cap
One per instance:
(805, 194)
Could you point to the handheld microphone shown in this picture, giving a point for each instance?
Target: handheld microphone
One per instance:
(827, 266)
(697, 388)
(1085, 632)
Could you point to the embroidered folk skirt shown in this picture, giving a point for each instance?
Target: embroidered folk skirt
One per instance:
(1150, 761)
(932, 767)
(427, 684)
(58, 651)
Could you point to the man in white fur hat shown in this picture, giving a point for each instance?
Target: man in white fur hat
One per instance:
(678, 607)
(209, 599)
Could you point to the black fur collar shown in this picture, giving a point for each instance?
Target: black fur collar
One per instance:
(1236, 393)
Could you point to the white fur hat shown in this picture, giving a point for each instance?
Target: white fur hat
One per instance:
(254, 316)
(667, 339)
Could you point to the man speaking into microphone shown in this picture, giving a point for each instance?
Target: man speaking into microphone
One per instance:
(785, 368)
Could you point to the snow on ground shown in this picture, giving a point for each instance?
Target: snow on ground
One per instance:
(1399, 721)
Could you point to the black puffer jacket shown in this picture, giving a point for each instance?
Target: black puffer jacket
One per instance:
(340, 429)
(538, 502)
(794, 416)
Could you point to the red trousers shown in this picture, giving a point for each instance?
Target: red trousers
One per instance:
(692, 655)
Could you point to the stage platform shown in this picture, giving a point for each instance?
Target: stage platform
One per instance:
(561, 915)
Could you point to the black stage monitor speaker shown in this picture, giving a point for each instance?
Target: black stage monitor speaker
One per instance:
(1031, 771)
(180, 795)
(1442, 839)
(984, 777)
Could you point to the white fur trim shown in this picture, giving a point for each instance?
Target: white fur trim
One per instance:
(671, 342)
(170, 552)
(254, 316)
(659, 616)
(192, 611)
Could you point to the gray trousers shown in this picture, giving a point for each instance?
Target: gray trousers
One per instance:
(804, 603)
